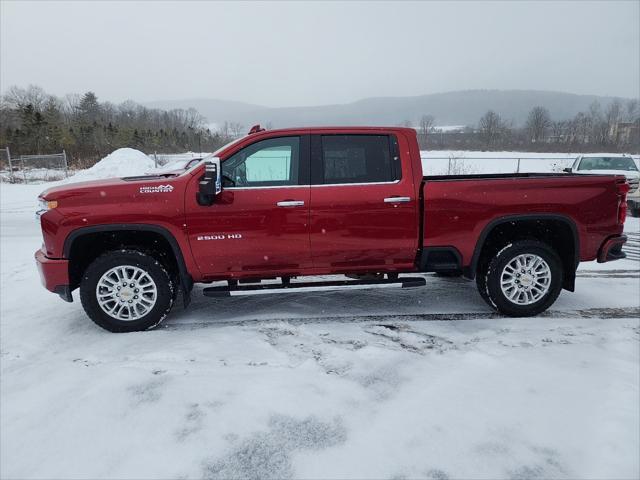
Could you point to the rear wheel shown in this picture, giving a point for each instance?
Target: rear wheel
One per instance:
(523, 279)
(126, 291)
(481, 282)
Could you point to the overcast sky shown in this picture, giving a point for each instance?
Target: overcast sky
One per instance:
(285, 53)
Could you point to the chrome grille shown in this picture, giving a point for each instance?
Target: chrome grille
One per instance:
(633, 184)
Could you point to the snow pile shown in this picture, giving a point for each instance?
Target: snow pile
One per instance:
(124, 162)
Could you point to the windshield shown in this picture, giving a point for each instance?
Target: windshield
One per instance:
(608, 163)
(215, 154)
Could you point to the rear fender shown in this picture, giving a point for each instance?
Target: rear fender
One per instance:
(570, 265)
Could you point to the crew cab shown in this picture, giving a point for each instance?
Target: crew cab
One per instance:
(270, 211)
(614, 164)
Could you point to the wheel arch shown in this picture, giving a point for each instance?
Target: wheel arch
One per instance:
(570, 264)
(185, 279)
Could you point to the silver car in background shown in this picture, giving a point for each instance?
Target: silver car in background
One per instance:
(618, 164)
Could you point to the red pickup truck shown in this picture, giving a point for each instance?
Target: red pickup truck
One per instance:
(278, 205)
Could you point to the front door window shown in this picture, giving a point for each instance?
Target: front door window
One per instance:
(268, 163)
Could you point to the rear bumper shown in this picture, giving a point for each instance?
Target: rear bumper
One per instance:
(611, 249)
(54, 275)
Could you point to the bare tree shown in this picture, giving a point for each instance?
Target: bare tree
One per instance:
(236, 129)
(223, 130)
(426, 123)
(17, 97)
(598, 124)
(612, 117)
(194, 119)
(632, 111)
(581, 128)
(559, 130)
(492, 128)
(538, 122)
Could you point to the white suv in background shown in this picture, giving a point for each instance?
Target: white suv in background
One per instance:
(615, 164)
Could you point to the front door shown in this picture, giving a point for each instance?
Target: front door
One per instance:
(259, 224)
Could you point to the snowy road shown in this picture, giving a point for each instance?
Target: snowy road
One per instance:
(424, 383)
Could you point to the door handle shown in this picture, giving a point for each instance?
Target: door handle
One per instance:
(397, 199)
(290, 203)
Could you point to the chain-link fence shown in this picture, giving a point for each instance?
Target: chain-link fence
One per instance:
(33, 168)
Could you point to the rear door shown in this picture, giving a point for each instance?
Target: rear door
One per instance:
(363, 206)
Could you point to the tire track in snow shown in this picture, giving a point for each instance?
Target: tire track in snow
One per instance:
(629, 312)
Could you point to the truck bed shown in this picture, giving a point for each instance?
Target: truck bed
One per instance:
(458, 210)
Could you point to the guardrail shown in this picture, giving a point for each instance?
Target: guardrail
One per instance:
(463, 164)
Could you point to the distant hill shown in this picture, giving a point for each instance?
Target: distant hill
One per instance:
(215, 110)
(451, 108)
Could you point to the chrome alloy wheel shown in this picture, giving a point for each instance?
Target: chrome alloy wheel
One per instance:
(525, 279)
(126, 293)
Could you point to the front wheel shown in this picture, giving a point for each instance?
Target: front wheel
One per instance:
(126, 291)
(523, 279)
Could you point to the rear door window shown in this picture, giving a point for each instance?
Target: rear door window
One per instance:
(358, 159)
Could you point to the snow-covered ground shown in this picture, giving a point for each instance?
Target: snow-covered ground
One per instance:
(423, 383)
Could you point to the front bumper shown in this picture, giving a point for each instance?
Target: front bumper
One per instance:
(54, 275)
(611, 249)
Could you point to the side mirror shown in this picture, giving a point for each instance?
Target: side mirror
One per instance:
(210, 183)
(568, 170)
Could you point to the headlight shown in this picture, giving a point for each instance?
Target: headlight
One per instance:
(44, 206)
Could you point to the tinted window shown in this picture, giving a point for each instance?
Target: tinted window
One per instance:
(271, 162)
(357, 159)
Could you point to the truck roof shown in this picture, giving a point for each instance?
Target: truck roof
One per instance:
(333, 129)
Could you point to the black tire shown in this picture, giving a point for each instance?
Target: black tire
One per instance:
(165, 285)
(489, 283)
(481, 282)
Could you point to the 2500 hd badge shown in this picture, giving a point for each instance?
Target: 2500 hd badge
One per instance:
(220, 236)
